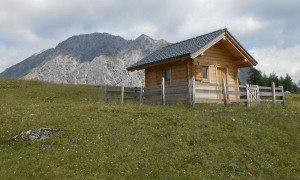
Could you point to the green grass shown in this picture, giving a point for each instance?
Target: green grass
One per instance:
(99, 140)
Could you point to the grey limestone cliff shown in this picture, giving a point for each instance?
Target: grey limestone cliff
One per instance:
(97, 58)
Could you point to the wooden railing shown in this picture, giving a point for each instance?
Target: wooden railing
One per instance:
(176, 92)
(248, 94)
(196, 92)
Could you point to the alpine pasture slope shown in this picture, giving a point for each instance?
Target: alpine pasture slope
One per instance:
(100, 140)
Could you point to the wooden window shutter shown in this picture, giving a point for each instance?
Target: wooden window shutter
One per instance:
(198, 73)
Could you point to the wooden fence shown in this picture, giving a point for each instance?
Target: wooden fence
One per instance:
(228, 93)
(196, 92)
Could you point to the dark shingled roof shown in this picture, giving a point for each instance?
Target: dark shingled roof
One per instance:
(179, 49)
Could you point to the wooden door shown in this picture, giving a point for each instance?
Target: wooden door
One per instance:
(222, 75)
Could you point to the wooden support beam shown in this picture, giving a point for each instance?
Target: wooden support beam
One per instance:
(273, 93)
(194, 91)
(224, 92)
(240, 61)
(163, 95)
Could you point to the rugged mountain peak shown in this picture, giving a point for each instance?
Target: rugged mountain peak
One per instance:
(97, 58)
(144, 37)
(86, 47)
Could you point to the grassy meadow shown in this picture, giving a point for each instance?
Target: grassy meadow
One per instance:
(99, 140)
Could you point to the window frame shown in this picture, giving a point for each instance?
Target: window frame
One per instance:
(165, 74)
(207, 73)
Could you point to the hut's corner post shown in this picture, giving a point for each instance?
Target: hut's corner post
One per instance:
(122, 95)
(248, 95)
(106, 94)
(282, 98)
(192, 94)
(224, 92)
(273, 93)
(163, 95)
(141, 95)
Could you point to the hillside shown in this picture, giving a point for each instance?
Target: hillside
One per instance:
(98, 58)
(99, 140)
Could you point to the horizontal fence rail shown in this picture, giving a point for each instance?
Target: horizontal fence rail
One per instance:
(196, 92)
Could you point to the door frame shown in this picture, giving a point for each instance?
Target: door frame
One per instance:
(220, 96)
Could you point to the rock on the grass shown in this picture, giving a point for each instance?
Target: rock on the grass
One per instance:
(35, 135)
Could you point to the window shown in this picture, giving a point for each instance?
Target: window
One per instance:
(168, 74)
(205, 72)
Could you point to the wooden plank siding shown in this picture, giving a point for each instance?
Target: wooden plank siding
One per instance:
(216, 57)
(154, 74)
(184, 68)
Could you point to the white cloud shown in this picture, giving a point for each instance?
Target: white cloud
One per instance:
(30, 26)
(280, 61)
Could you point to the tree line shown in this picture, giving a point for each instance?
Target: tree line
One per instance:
(256, 77)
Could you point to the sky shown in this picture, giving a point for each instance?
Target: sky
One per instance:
(268, 29)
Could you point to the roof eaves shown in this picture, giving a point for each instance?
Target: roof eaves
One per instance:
(156, 62)
(242, 47)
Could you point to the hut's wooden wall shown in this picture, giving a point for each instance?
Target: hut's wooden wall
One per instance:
(184, 69)
(178, 68)
(218, 57)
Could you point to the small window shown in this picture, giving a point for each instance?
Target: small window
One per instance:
(205, 72)
(168, 74)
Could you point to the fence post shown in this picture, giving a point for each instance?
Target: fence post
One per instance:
(106, 93)
(273, 93)
(224, 92)
(191, 87)
(141, 95)
(190, 95)
(194, 91)
(122, 95)
(258, 95)
(248, 96)
(282, 97)
(163, 96)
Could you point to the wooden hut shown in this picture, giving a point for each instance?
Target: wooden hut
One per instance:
(212, 58)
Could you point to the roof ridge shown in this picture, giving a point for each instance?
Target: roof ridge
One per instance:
(224, 29)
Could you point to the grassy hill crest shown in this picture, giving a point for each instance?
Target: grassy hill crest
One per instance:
(99, 140)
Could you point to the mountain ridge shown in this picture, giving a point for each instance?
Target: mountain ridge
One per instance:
(97, 58)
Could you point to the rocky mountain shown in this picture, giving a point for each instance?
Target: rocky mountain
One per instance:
(97, 58)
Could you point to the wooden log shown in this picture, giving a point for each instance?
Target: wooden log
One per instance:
(208, 100)
(163, 95)
(193, 91)
(208, 84)
(190, 101)
(154, 93)
(175, 84)
(265, 88)
(273, 93)
(122, 95)
(177, 91)
(224, 91)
